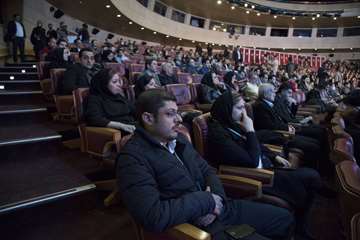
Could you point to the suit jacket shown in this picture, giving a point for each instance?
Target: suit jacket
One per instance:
(265, 117)
(11, 29)
(236, 57)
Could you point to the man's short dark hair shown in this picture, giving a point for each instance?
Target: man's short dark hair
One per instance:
(284, 87)
(84, 50)
(148, 62)
(151, 101)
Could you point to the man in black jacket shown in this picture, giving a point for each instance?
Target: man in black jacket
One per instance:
(236, 55)
(165, 182)
(80, 74)
(266, 118)
(16, 34)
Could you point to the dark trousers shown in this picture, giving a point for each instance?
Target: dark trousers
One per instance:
(269, 221)
(311, 148)
(18, 43)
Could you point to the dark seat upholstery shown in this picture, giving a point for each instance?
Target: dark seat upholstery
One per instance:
(342, 150)
(182, 94)
(355, 227)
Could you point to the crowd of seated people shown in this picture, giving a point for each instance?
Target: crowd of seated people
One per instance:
(157, 156)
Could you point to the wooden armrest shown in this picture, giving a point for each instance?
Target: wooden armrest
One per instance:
(304, 113)
(274, 148)
(240, 187)
(317, 107)
(100, 139)
(308, 109)
(258, 174)
(286, 134)
(187, 231)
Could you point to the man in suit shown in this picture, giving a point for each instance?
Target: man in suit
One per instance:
(266, 118)
(236, 55)
(16, 34)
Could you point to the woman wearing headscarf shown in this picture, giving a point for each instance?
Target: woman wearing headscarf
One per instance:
(107, 105)
(233, 141)
(143, 83)
(60, 58)
(211, 88)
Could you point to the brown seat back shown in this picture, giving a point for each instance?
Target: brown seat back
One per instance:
(183, 77)
(118, 67)
(79, 96)
(57, 75)
(181, 92)
(343, 150)
(43, 71)
(200, 130)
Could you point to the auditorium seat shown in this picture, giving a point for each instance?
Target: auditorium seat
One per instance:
(133, 76)
(195, 89)
(355, 227)
(96, 141)
(348, 181)
(136, 68)
(43, 72)
(184, 78)
(64, 103)
(118, 67)
(342, 150)
(196, 78)
(182, 94)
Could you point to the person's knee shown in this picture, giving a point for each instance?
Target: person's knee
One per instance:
(283, 223)
(310, 177)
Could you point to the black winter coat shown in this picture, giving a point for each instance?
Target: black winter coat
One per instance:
(265, 117)
(159, 190)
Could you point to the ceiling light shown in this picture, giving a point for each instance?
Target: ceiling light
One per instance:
(193, 41)
(275, 16)
(219, 2)
(154, 32)
(313, 18)
(315, 49)
(232, 7)
(269, 48)
(247, 12)
(107, 6)
(34, 66)
(293, 18)
(142, 28)
(130, 22)
(80, 2)
(213, 44)
(118, 15)
(299, 49)
(180, 39)
(214, 28)
(351, 48)
(253, 6)
(358, 16)
(224, 30)
(284, 48)
(23, 71)
(12, 77)
(318, 15)
(258, 14)
(333, 49)
(335, 18)
(167, 36)
(245, 5)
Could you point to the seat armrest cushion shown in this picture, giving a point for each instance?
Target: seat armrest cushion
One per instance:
(187, 231)
(240, 187)
(264, 176)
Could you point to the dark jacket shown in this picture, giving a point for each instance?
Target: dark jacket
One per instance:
(158, 190)
(227, 148)
(165, 79)
(38, 38)
(75, 77)
(100, 110)
(265, 117)
(11, 30)
(287, 113)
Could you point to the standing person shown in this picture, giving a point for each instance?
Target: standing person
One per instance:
(84, 33)
(236, 56)
(38, 38)
(16, 33)
(209, 50)
(51, 33)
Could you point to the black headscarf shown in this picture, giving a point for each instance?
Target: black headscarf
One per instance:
(99, 85)
(140, 84)
(228, 79)
(208, 80)
(221, 111)
(57, 60)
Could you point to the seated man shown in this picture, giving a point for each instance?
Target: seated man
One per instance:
(165, 182)
(266, 118)
(150, 69)
(167, 75)
(80, 74)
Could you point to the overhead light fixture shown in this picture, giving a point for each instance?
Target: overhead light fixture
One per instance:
(333, 49)
(258, 14)
(335, 18)
(358, 16)
(193, 41)
(275, 16)
(34, 66)
(351, 48)
(119, 15)
(107, 6)
(130, 22)
(224, 30)
(213, 44)
(219, 2)
(293, 18)
(167, 36)
(214, 28)
(23, 71)
(247, 12)
(269, 48)
(154, 32)
(299, 49)
(12, 77)
(313, 18)
(246, 5)
(253, 6)
(232, 7)
(315, 49)
(142, 28)
(284, 48)
(180, 39)
(317, 15)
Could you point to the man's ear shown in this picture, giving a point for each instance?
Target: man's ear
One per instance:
(147, 118)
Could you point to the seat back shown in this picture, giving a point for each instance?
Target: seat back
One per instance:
(57, 75)
(195, 89)
(133, 76)
(200, 131)
(184, 77)
(118, 67)
(43, 71)
(79, 96)
(343, 150)
(130, 93)
(196, 78)
(181, 92)
(137, 67)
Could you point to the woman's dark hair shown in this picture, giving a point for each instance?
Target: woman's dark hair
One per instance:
(105, 55)
(100, 81)
(228, 78)
(57, 60)
(208, 79)
(221, 110)
(141, 83)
